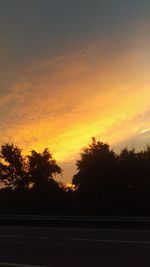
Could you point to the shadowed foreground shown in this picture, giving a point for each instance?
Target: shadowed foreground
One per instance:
(106, 183)
(21, 246)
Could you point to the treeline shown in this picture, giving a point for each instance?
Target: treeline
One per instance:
(106, 183)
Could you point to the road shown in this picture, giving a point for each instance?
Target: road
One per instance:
(53, 247)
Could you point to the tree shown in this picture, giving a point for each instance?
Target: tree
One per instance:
(22, 172)
(97, 160)
(95, 171)
(12, 167)
(42, 168)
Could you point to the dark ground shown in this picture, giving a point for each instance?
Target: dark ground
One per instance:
(27, 246)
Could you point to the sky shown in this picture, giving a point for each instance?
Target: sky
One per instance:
(71, 70)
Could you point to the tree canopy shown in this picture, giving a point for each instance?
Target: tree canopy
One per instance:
(22, 172)
(106, 182)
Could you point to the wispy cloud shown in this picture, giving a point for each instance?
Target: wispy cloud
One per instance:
(62, 102)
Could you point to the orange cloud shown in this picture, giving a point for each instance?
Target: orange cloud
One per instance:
(62, 103)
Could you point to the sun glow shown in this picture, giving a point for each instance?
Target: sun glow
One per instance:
(61, 104)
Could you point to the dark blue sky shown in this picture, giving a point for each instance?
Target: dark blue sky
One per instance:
(37, 28)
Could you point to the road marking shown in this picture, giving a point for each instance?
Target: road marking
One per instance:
(90, 229)
(19, 265)
(112, 241)
(24, 236)
(36, 228)
(79, 239)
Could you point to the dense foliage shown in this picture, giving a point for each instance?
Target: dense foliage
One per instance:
(106, 183)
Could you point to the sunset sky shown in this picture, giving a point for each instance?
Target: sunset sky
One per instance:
(73, 69)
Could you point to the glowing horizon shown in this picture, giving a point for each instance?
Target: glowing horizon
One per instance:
(78, 84)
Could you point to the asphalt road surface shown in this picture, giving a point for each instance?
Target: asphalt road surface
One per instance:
(53, 247)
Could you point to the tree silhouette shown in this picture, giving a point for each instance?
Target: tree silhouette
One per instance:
(13, 167)
(106, 183)
(28, 181)
(133, 180)
(94, 178)
(19, 172)
(42, 168)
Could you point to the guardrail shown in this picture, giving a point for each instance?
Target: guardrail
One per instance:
(75, 218)
(76, 221)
